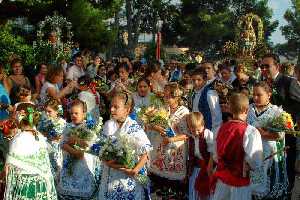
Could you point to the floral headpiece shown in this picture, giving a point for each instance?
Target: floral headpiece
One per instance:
(27, 112)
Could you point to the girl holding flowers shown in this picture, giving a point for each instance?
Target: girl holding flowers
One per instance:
(271, 182)
(52, 126)
(28, 173)
(80, 172)
(168, 160)
(119, 181)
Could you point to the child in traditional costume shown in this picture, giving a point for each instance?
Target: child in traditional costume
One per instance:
(201, 149)
(169, 157)
(238, 149)
(80, 173)
(51, 125)
(206, 100)
(119, 181)
(28, 166)
(271, 181)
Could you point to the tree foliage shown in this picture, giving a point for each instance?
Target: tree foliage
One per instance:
(291, 31)
(10, 45)
(90, 25)
(207, 24)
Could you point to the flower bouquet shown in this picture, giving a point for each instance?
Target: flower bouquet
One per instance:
(102, 86)
(156, 116)
(282, 122)
(120, 150)
(53, 128)
(88, 132)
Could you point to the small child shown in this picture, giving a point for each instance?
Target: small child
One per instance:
(90, 96)
(238, 149)
(201, 146)
(78, 177)
(52, 127)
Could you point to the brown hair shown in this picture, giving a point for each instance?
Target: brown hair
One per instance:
(195, 119)
(78, 102)
(238, 103)
(35, 115)
(53, 103)
(200, 72)
(52, 72)
(176, 91)
(263, 85)
(15, 60)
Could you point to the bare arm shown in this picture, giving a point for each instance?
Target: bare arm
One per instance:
(7, 84)
(37, 85)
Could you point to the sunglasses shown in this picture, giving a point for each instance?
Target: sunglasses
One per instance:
(265, 66)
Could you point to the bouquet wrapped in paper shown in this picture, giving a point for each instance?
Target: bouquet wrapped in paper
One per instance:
(281, 122)
(121, 150)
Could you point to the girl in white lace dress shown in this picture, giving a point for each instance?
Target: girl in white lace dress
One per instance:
(270, 182)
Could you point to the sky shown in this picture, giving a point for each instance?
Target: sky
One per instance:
(279, 7)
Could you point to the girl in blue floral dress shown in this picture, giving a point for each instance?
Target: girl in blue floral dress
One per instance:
(117, 181)
(80, 173)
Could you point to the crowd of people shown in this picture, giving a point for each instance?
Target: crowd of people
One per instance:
(216, 147)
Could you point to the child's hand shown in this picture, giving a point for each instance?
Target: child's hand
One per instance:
(159, 129)
(167, 140)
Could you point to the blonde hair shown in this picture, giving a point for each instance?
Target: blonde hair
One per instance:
(195, 119)
(127, 98)
(238, 103)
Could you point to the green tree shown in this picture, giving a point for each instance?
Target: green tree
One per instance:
(11, 44)
(206, 25)
(291, 31)
(90, 24)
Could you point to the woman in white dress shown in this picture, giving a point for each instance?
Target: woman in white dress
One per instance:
(168, 160)
(117, 181)
(271, 182)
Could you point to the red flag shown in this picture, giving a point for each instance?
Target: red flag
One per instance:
(158, 41)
